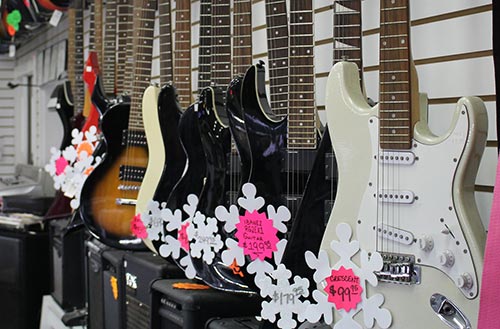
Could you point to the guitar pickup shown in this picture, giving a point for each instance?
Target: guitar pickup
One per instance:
(396, 196)
(395, 234)
(134, 138)
(131, 173)
(397, 158)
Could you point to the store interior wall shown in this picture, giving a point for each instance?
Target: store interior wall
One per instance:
(451, 45)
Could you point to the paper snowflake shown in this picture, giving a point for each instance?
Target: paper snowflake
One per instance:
(259, 242)
(70, 167)
(204, 237)
(161, 222)
(371, 306)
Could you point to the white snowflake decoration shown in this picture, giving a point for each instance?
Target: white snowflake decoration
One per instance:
(204, 237)
(371, 306)
(157, 217)
(70, 167)
(271, 277)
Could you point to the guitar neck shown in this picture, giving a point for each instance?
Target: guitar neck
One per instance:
(221, 43)
(396, 129)
(242, 36)
(182, 54)
(144, 18)
(277, 45)
(75, 55)
(347, 32)
(165, 20)
(124, 47)
(109, 53)
(302, 112)
(205, 51)
(98, 46)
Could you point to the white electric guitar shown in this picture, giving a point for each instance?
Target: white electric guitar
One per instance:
(406, 193)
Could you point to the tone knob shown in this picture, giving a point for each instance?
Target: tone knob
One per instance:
(426, 243)
(446, 258)
(464, 281)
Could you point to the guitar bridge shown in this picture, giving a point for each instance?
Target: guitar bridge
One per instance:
(399, 268)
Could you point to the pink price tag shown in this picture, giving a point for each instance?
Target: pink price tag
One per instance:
(343, 289)
(182, 236)
(256, 235)
(137, 227)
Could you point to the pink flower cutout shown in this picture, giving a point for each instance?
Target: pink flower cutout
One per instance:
(256, 235)
(182, 236)
(137, 227)
(61, 164)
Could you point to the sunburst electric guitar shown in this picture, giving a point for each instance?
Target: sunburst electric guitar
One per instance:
(406, 193)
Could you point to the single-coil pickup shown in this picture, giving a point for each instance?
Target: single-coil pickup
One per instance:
(397, 158)
(395, 234)
(132, 174)
(396, 196)
(134, 138)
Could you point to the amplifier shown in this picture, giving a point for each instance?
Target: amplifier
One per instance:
(67, 264)
(141, 270)
(190, 309)
(253, 323)
(24, 277)
(95, 290)
(113, 281)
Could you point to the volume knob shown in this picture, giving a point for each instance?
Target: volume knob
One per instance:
(464, 281)
(446, 258)
(426, 243)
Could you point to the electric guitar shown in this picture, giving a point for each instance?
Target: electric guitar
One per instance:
(161, 116)
(406, 193)
(72, 94)
(110, 192)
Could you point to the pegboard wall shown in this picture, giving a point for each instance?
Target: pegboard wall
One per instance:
(451, 46)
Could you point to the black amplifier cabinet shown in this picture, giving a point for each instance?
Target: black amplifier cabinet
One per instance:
(24, 276)
(233, 323)
(141, 270)
(67, 263)
(190, 309)
(113, 281)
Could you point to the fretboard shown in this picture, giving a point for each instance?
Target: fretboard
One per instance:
(204, 50)
(395, 130)
(165, 20)
(144, 19)
(302, 112)
(182, 54)
(242, 36)
(221, 43)
(109, 48)
(75, 55)
(347, 32)
(98, 9)
(124, 46)
(277, 51)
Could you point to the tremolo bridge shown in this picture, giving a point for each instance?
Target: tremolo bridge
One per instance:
(399, 268)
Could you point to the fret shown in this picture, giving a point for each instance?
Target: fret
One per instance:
(205, 43)
(110, 47)
(182, 53)
(221, 43)
(393, 23)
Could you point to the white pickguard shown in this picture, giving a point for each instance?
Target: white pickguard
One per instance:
(439, 182)
(156, 152)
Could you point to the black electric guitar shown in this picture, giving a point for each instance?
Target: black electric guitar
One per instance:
(70, 95)
(311, 217)
(109, 194)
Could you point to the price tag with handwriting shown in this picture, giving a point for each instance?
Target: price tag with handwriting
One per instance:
(344, 289)
(256, 235)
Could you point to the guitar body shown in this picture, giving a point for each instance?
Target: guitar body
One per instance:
(64, 108)
(104, 217)
(266, 135)
(215, 139)
(309, 222)
(169, 114)
(54, 5)
(438, 222)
